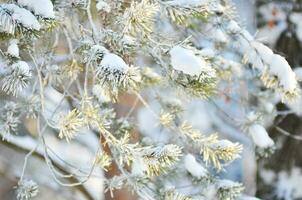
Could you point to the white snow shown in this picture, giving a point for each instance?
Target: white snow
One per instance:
(247, 35)
(218, 8)
(13, 49)
(280, 68)
(22, 66)
(95, 52)
(268, 176)
(114, 62)
(186, 61)
(227, 184)
(43, 8)
(268, 107)
(298, 72)
(263, 51)
(233, 27)
(23, 16)
(260, 137)
(103, 6)
(219, 36)
(193, 167)
(252, 116)
(224, 144)
(277, 65)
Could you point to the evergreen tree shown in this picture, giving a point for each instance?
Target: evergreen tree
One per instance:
(66, 66)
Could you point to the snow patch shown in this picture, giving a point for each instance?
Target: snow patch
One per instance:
(13, 49)
(23, 16)
(233, 27)
(114, 62)
(186, 61)
(260, 137)
(43, 8)
(276, 65)
(281, 69)
(22, 66)
(193, 167)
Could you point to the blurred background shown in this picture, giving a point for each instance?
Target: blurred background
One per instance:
(276, 23)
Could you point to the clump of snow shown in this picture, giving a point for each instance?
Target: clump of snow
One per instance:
(114, 62)
(260, 136)
(280, 68)
(193, 167)
(13, 49)
(263, 59)
(22, 67)
(43, 8)
(99, 49)
(263, 51)
(23, 16)
(103, 6)
(233, 27)
(186, 61)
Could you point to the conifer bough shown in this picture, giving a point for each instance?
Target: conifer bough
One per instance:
(68, 64)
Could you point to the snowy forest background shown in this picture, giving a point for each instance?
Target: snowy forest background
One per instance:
(107, 130)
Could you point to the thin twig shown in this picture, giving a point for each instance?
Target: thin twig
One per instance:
(286, 133)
